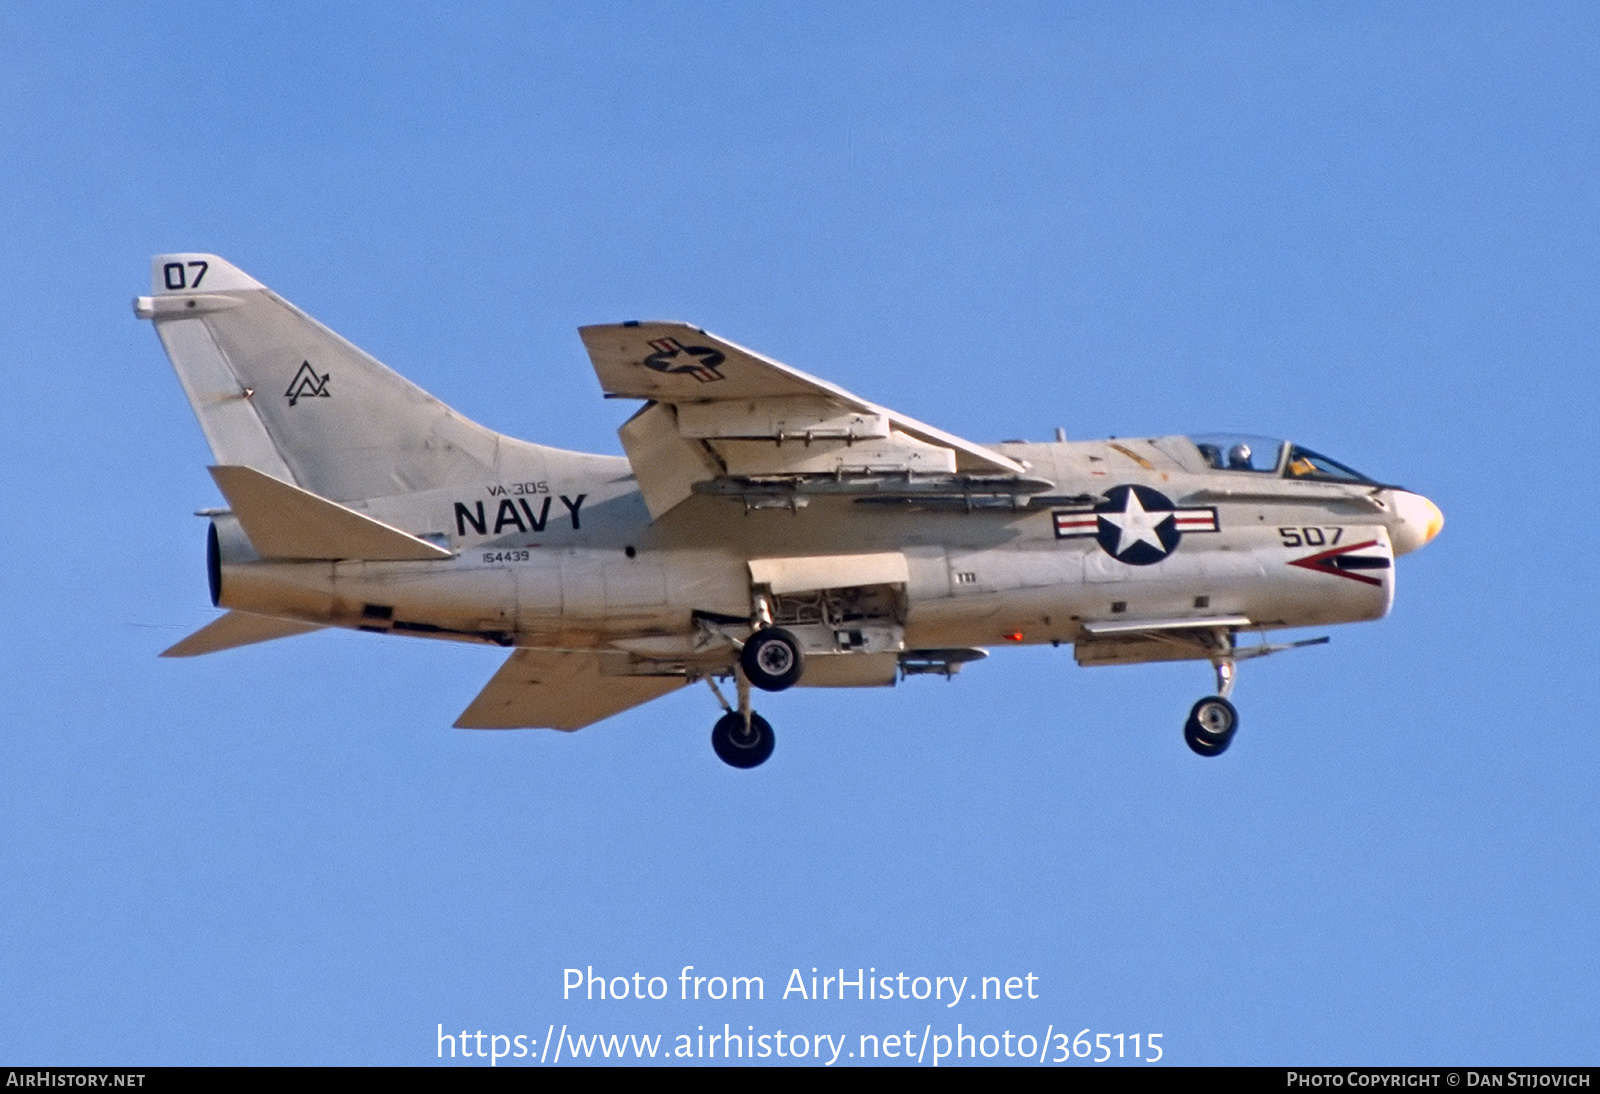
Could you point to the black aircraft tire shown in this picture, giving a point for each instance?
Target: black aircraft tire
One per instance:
(1198, 743)
(771, 659)
(735, 747)
(1211, 726)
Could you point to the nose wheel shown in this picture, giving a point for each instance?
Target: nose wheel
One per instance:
(1211, 726)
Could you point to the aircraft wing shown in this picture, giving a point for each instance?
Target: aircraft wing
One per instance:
(718, 411)
(561, 689)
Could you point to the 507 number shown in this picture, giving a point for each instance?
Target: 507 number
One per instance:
(1310, 537)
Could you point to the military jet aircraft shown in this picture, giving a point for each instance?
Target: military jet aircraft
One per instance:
(766, 527)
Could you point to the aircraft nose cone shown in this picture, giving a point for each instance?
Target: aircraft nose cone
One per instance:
(1420, 521)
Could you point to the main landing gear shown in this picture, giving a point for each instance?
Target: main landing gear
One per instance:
(771, 659)
(741, 738)
(741, 744)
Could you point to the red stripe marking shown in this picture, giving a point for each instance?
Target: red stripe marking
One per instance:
(1319, 562)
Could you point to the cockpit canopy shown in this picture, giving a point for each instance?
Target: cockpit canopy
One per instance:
(1270, 456)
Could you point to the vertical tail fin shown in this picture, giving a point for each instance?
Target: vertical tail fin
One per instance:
(278, 392)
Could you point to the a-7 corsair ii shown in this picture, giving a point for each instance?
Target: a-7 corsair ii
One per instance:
(766, 526)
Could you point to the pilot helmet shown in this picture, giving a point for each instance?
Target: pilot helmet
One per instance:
(1239, 456)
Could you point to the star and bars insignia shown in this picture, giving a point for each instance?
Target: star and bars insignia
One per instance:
(673, 357)
(1134, 524)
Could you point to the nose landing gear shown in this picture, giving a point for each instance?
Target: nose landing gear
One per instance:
(1214, 720)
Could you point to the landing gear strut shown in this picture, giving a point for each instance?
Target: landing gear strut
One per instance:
(741, 738)
(1213, 720)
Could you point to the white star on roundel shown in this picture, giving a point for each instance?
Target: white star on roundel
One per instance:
(1137, 525)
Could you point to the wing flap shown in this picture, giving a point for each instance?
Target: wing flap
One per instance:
(665, 463)
(561, 689)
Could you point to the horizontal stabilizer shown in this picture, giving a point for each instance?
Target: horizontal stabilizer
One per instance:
(560, 689)
(237, 629)
(284, 521)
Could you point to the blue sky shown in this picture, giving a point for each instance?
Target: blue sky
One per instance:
(1371, 228)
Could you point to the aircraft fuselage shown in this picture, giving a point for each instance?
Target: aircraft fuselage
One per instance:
(561, 551)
